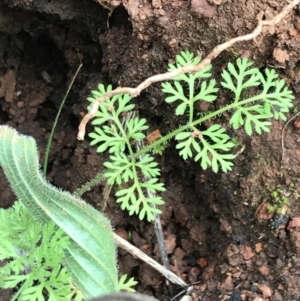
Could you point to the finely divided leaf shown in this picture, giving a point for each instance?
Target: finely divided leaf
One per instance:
(243, 76)
(108, 138)
(127, 284)
(207, 92)
(119, 169)
(98, 93)
(187, 146)
(135, 200)
(168, 88)
(135, 126)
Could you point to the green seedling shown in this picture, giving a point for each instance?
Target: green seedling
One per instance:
(84, 238)
(256, 97)
(280, 203)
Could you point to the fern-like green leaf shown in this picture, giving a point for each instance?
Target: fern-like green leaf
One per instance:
(127, 284)
(148, 166)
(119, 169)
(176, 95)
(187, 145)
(101, 91)
(125, 168)
(209, 153)
(34, 263)
(187, 58)
(135, 126)
(207, 92)
(180, 110)
(108, 138)
(135, 201)
(242, 78)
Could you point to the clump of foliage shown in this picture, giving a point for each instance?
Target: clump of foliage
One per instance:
(280, 202)
(54, 245)
(33, 254)
(55, 233)
(255, 98)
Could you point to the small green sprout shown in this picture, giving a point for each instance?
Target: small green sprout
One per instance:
(280, 203)
(256, 98)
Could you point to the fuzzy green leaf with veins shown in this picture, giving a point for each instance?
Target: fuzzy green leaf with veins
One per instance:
(90, 256)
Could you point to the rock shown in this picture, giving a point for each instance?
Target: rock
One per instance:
(202, 8)
(181, 215)
(246, 252)
(295, 240)
(170, 243)
(265, 290)
(137, 240)
(193, 274)
(264, 270)
(227, 284)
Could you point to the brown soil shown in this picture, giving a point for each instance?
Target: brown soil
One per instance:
(217, 226)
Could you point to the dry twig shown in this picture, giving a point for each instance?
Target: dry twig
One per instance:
(170, 75)
(124, 296)
(137, 253)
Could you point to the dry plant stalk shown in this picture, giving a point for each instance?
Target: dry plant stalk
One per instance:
(190, 69)
(137, 253)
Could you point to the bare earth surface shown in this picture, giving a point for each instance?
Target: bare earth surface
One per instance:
(217, 227)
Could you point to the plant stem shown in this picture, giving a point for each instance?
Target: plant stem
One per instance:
(157, 223)
(191, 97)
(125, 245)
(88, 185)
(124, 135)
(47, 152)
(198, 121)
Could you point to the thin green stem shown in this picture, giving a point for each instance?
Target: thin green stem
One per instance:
(56, 121)
(191, 97)
(123, 133)
(88, 185)
(238, 89)
(198, 121)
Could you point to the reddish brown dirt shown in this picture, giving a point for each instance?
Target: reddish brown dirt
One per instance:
(217, 226)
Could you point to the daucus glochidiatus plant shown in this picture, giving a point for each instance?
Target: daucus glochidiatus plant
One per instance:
(256, 97)
(84, 262)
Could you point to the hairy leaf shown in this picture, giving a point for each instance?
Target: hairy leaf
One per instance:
(90, 256)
